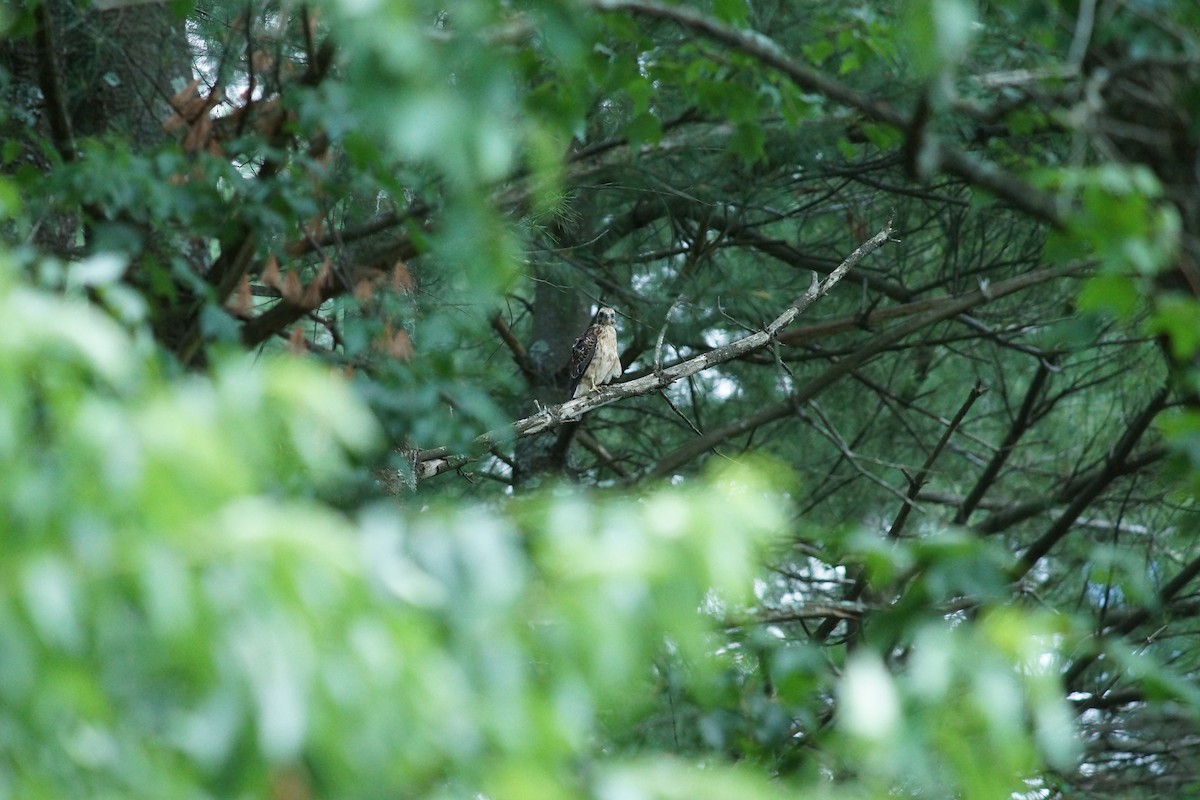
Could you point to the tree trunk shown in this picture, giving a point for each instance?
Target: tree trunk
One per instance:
(559, 315)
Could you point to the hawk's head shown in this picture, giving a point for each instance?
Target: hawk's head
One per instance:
(606, 316)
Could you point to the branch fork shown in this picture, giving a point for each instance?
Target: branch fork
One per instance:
(553, 416)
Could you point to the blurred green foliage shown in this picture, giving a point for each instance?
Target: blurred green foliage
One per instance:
(205, 592)
(185, 615)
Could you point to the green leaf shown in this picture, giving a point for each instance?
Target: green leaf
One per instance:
(643, 129)
(884, 137)
(938, 34)
(819, 51)
(1176, 317)
(748, 142)
(733, 11)
(1111, 294)
(10, 199)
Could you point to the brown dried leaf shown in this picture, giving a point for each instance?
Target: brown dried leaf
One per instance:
(315, 227)
(314, 292)
(292, 290)
(270, 273)
(173, 123)
(325, 277)
(241, 302)
(195, 108)
(191, 110)
(397, 343)
(363, 290)
(402, 279)
(198, 135)
(262, 61)
(182, 99)
(369, 280)
(296, 343)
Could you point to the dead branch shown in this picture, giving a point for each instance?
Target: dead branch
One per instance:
(554, 416)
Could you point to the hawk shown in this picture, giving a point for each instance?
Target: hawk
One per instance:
(594, 357)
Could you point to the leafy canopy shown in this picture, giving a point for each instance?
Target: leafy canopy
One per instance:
(269, 272)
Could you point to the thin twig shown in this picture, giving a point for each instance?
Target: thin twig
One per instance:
(601, 452)
(680, 414)
(950, 307)
(914, 487)
(662, 333)
(520, 356)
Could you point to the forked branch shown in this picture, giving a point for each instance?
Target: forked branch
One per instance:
(428, 463)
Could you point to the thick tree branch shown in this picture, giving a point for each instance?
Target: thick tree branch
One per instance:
(50, 81)
(949, 307)
(437, 460)
(942, 156)
(571, 410)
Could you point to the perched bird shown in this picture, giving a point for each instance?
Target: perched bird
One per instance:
(594, 357)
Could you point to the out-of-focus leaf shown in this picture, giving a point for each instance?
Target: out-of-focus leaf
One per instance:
(869, 705)
(938, 33)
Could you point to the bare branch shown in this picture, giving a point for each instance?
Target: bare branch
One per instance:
(601, 452)
(1113, 468)
(1138, 617)
(914, 488)
(1025, 417)
(570, 411)
(514, 346)
(945, 309)
(1013, 513)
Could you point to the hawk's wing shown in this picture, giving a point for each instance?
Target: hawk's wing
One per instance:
(582, 353)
